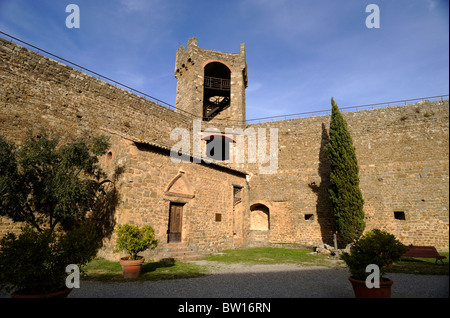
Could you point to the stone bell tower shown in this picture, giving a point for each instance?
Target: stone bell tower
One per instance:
(211, 84)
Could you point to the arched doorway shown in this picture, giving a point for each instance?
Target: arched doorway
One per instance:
(259, 217)
(259, 225)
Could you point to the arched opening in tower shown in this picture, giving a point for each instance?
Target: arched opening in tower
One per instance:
(216, 92)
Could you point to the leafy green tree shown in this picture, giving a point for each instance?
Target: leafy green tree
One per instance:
(35, 262)
(45, 185)
(51, 188)
(344, 191)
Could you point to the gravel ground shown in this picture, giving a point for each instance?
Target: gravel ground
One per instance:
(264, 281)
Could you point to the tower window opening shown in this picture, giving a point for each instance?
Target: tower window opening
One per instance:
(216, 92)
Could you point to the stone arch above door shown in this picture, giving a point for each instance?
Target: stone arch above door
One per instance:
(180, 186)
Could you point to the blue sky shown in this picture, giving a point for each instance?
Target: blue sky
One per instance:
(300, 53)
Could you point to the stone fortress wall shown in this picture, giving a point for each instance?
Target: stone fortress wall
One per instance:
(39, 93)
(402, 153)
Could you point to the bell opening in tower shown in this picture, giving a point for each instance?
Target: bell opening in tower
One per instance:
(216, 93)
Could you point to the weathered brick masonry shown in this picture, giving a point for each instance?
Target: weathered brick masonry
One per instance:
(151, 182)
(189, 71)
(402, 153)
(40, 93)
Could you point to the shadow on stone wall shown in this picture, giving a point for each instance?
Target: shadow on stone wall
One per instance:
(324, 208)
(102, 216)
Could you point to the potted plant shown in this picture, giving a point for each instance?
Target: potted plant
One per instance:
(134, 240)
(376, 247)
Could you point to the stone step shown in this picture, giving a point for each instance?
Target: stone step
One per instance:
(179, 251)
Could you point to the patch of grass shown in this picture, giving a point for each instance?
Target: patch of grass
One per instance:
(422, 266)
(272, 255)
(104, 270)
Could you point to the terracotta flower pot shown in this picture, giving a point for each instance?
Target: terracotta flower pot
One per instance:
(361, 291)
(131, 268)
(58, 294)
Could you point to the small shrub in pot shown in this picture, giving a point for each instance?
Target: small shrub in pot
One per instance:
(134, 240)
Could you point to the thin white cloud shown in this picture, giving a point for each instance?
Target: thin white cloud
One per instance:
(293, 21)
(299, 53)
(154, 9)
(432, 4)
(132, 6)
(255, 86)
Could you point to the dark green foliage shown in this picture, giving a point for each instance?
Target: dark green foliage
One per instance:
(133, 239)
(344, 189)
(375, 247)
(51, 189)
(43, 185)
(35, 262)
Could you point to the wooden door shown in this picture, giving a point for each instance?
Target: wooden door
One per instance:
(175, 222)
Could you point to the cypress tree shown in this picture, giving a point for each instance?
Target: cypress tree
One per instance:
(344, 191)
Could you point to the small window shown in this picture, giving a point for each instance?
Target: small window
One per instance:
(218, 217)
(399, 215)
(218, 148)
(309, 217)
(109, 157)
(237, 195)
